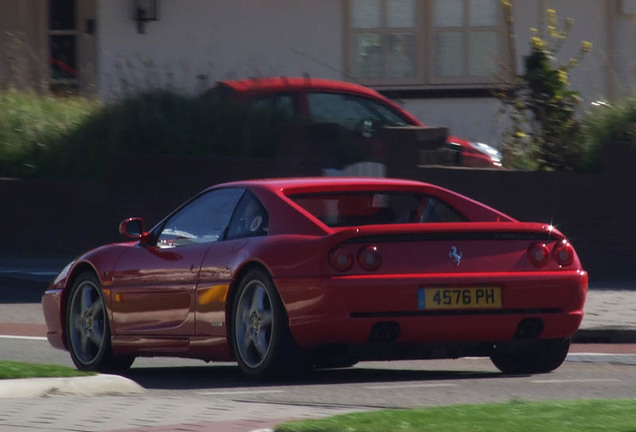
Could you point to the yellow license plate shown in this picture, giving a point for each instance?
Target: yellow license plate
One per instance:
(459, 298)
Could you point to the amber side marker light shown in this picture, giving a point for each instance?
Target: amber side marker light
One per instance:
(563, 253)
(341, 259)
(539, 254)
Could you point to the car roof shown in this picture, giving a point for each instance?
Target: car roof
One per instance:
(321, 183)
(284, 83)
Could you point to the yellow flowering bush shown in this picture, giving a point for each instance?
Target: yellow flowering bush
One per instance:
(544, 132)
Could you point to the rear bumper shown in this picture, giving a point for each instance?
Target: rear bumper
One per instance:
(343, 310)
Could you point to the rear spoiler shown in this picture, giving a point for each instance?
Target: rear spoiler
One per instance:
(448, 231)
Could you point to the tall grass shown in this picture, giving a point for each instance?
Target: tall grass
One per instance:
(73, 138)
(31, 123)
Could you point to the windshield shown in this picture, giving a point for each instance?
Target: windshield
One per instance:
(349, 110)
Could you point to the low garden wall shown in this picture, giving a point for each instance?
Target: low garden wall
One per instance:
(49, 218)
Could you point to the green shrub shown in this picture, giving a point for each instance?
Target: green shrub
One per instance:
(77, 144)
(30, 123)
(608, 123)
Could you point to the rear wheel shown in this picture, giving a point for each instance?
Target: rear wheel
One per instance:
(262, 342)
(538, 356)
(87, 328)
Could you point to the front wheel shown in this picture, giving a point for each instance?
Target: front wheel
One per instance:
(87, 328)
(261, 339)
(538, 356)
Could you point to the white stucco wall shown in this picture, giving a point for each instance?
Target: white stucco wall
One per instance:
(197, 42)
(473, 119)
(625, 51)
(589, 16)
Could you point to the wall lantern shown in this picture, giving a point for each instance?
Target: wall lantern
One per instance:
(145, 11)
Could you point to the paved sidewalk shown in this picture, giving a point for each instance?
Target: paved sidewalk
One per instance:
(610, 316)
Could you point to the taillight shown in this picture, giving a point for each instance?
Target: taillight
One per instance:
(539, 254)
(563, 253)
(341, 259)
(369, 258)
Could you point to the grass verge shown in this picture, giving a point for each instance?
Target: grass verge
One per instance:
(556, 416)
(11, 369)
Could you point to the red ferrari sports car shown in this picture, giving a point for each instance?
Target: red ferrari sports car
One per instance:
(286, 274)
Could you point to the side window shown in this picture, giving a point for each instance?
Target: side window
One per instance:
(250, 219)
(203, 220)
(282, 104)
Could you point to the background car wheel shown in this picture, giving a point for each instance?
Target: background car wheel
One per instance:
(262, 342)
(539, 356)
(87, 328)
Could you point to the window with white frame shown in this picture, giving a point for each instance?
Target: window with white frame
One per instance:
(425, 42)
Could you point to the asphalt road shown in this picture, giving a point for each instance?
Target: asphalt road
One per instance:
(216, 398)
(190, 395)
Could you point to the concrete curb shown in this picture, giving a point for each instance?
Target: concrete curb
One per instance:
(97, 385)
(611, 336)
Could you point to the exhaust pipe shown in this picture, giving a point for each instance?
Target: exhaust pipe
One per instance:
(384, 332)
(529, 328)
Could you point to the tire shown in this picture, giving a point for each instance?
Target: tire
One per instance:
(262, 343)
(88, 330)
(539, 356)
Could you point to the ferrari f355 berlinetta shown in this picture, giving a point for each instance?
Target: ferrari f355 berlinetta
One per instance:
(285, 274)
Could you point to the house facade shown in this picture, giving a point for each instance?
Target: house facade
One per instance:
(441, 59)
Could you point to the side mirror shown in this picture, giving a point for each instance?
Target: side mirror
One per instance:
(133, 228)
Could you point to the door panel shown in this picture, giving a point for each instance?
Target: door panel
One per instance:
(154, 289)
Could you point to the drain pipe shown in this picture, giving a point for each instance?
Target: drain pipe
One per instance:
(610, 48)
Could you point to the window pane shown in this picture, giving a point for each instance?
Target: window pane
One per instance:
(449, 54)
(350, 111)
(449, 13)
(201, 221)
(376, 207)
(367, 55)
(62, 14)
(250, 219)
(483, 53)
(366, 14)
(400, 13)
(401, 56)
(63, 57)
(346, 111)
(483, 13)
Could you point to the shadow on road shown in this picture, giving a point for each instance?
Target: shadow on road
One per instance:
(229, 376)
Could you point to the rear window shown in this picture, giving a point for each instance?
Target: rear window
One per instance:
(345, 209)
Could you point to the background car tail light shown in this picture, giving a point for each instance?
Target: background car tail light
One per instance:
(563, 253)
(369, 258)
(539, 254)
(341, 259)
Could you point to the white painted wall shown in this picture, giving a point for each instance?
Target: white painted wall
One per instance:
(589, 77)
(471, 119)
(197, 42)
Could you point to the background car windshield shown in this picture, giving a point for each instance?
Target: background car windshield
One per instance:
(202, 220)
(376, 208)
(350, 111)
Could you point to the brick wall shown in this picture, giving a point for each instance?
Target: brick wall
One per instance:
(44, 218)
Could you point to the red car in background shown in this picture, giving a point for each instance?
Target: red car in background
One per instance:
(286, 274)
(357, 109)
